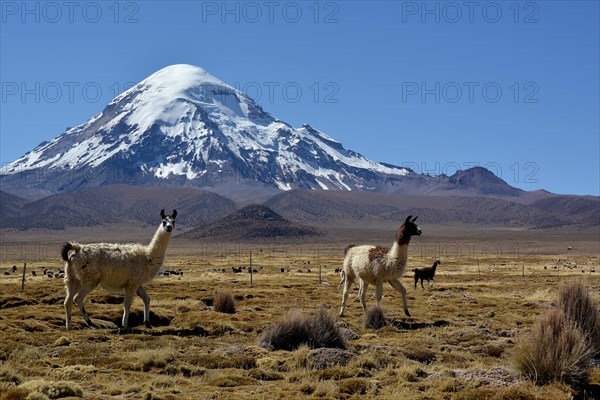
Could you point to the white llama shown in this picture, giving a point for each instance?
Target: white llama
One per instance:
(125, 268)
(376, 265)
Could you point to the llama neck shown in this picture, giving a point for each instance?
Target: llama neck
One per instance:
(158, 244)
(398, 254)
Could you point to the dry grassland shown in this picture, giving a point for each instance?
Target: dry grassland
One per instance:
(457, 345)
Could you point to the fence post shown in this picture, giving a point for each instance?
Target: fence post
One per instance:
(23, 279)
(250, 268)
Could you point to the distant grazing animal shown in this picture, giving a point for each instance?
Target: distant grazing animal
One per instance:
(116, 267)
(14, 268)
(376, 265)
(426, 274)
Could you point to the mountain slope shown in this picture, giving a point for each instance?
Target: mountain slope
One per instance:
(10, 204)
(119, 203)
(343, 208)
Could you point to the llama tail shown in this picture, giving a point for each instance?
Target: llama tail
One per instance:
(68, 247)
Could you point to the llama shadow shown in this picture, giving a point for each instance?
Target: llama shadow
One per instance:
(195, 331)
(591, 391)
(411, 326)
(136, 318)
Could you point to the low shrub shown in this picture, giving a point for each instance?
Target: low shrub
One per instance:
(224, 303)
(579, 307)
(555, 350)
(296, 329)
(374, 318)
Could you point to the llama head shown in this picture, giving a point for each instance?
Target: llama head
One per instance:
(168, 222)
(408, 229)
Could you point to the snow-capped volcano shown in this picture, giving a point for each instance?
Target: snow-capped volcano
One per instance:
(182, 125)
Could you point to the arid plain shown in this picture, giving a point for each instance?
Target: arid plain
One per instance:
(490, 289)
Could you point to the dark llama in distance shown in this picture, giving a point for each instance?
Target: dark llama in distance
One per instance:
(426, 273)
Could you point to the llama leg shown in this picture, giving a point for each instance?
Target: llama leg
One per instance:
(71, 290)
(416, 280)
(79, 298)
(422, 283)
(347, 284)
(342, 279)
(432, 282)
(142, 293)
(129, 294)
(363, 294)
(378, 292)
(398, 286)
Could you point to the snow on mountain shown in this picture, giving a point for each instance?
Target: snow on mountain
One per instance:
(182, 125)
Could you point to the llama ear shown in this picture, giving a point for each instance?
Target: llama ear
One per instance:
(408, 218)
(162, 214)
(174, 215)
(415, 218)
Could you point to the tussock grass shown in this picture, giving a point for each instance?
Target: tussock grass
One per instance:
(296, 329)
(354, 386)
(579, 307)
(224, 303)
(53, 390)
(373, 361)
(555, 350)
(562, 342)
(147, 359)
(419, 353)
(74, 372)
(375, 318)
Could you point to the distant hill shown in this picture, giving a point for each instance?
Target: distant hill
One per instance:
(584, 210)
(324, 207)
(252, 223)
(481, 181)
(118, 203)
(140, 204)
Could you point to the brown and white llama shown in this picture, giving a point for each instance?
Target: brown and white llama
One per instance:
(124, 268)
(375, 265)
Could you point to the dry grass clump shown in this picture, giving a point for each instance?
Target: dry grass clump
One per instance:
(561, 344)
(62, 341)
(146, 359)
(51, 390)
(420, 354)
(75, 372)
(10, 377)
(296, 329)
(374, 318)
(224, 303)
(324, 357)
(352, 386)
(556, 350)
(579, 307)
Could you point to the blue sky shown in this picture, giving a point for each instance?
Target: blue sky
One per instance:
(434, 86)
